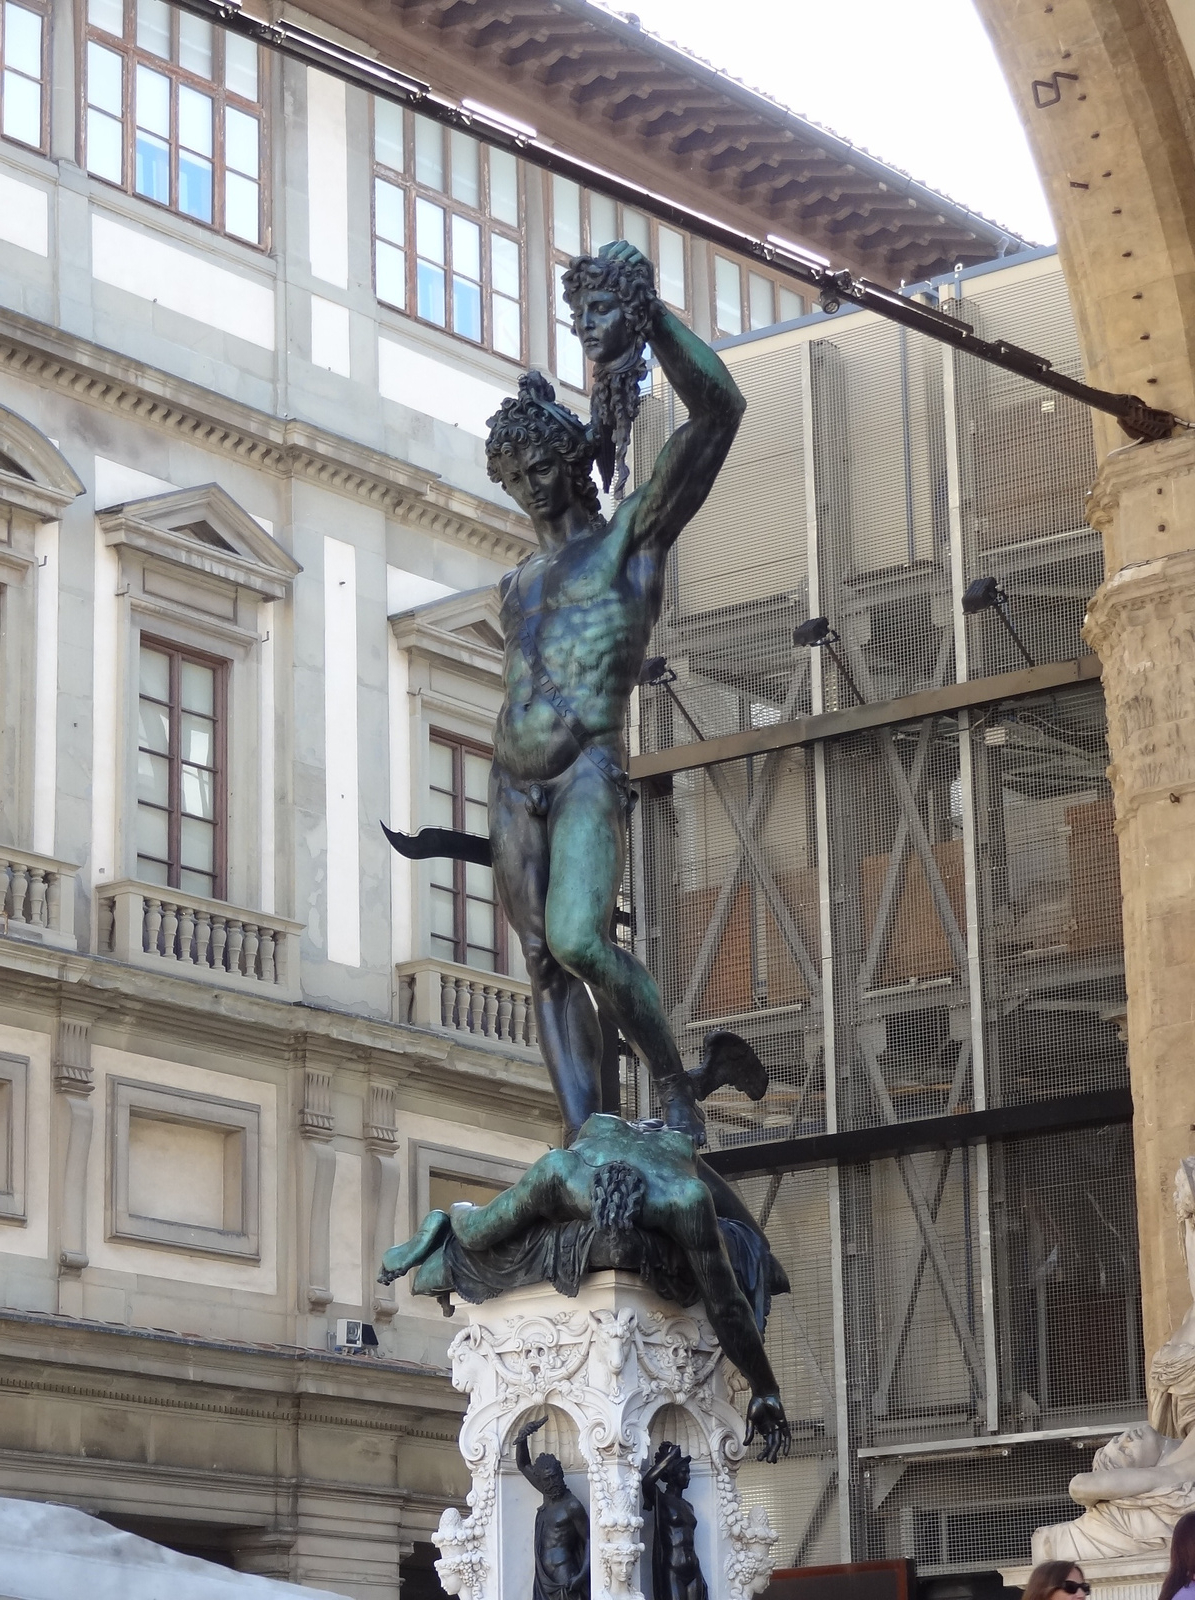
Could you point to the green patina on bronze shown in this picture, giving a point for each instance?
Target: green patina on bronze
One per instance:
(577, 617)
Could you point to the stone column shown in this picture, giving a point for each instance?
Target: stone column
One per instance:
(1142, 624)
(604, 1365)
(319, 1163)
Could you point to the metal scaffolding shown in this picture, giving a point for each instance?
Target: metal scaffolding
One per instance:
(911, 908)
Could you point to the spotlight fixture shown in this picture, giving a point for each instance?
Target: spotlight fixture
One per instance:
(655, 673)
(986, 594)
(815, 631)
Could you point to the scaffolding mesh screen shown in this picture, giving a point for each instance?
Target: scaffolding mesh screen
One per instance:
(1052, 939)
(1026, 464)
(898, 892)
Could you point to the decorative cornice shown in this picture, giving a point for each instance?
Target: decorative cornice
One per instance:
(287, 448)
(1133, 467)
(379, 1127)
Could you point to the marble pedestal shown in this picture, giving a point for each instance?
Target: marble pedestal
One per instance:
(619, 1370)
(1121, 1578)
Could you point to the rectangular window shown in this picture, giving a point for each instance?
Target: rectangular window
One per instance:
(180, 770)
(448, 229)
(23, 60)
(467, 925)
(581, 223)
(748, 300)
(174, 113)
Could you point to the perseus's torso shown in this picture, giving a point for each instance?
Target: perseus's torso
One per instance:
(590, 612)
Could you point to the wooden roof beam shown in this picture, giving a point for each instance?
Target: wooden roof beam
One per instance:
(705, 138)
(677, 113)
(736, 156)
(533, 49)
(585, 65)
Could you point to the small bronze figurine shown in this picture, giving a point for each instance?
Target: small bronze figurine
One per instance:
(675, 1570)
(561, 1526)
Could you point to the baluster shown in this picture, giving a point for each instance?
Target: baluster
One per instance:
(476, 1006)
(251, 943)
(37, 896)
(489, 1014)
(151, 925)
(518, 1016)
(169, 928)
(53, 901)
(447, 1000)
(203, 937)
(236, 938)
(266, 956)
(186, 930)
(464, 992)
(504, 1010)
(20, 888)
(107, 923)
(532, 1030)
(219, 939)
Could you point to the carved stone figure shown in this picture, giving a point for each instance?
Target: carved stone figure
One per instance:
(561, 1526)
(624, 1195)
(675, 1570)
(1141, 1482)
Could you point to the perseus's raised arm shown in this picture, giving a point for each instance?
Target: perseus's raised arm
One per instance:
(686, 467)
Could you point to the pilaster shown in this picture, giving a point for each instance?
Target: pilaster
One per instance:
(1141, 622)
(319, 1164)
(74, 1083)
(382, 1174)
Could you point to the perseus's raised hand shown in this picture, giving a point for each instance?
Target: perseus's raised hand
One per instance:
(767, 1423)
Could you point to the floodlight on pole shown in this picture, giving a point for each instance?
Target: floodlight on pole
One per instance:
(815, 632)
(985, 594)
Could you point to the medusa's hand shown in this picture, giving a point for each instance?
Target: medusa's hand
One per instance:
(767, 1423)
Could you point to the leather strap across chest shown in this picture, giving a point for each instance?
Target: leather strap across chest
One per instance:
(554, 695)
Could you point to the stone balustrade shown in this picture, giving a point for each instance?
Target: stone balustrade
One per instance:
(461, 1000)
(167, 931)
(37, 898)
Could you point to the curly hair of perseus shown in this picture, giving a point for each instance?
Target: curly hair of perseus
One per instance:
(614, 404)
(534, 417)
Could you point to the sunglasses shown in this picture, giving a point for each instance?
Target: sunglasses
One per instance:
(1071, 1587)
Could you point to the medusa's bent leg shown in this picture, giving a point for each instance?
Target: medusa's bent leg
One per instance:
(400, 1258)
(553, 1190)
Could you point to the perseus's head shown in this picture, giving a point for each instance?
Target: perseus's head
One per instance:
(541, 452)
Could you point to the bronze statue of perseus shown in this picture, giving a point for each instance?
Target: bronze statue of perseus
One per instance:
(577, 617)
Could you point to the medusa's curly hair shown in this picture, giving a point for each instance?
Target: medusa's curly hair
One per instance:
(614, 404)
(534, 417)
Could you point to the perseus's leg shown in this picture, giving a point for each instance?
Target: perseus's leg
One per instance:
(570, 1036)
(587, 835)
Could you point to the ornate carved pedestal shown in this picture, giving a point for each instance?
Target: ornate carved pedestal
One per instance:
(618, 1370)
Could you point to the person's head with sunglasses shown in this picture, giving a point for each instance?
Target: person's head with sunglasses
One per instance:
(1054, 1580)
(1180, 1580)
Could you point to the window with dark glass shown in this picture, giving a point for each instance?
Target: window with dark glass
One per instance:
(581, 223)
(448, 229)
(467, 925)
(174, 112)
(22, 79)
(180, 770)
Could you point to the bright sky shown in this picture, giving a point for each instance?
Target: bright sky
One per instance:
(918, 88)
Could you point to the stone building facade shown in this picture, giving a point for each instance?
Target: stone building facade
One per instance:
(252, 321)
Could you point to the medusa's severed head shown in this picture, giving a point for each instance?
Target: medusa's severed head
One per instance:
(540, 451)
(613, 301)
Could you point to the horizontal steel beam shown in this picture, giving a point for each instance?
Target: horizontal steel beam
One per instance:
(833, 288)
(855, 719)
(1095, 1109)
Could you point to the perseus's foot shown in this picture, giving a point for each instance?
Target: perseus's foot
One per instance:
(400, 1258)
(682, 1113)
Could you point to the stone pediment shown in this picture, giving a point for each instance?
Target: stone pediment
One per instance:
(460, 630)
(35, 476)
(206, 531)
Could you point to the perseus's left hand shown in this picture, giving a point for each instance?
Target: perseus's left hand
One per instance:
(767, 1423)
